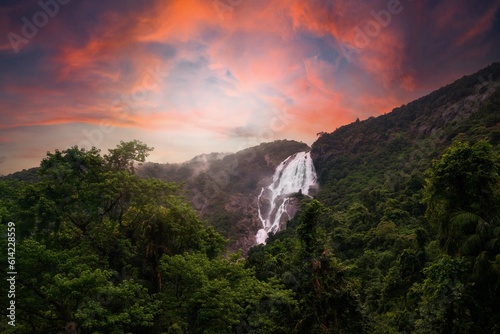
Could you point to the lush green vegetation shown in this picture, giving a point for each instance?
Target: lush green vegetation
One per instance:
(109, 252)
(224, 190)
(414, 201)
(387, 266)
(403, 236)
(114, 253)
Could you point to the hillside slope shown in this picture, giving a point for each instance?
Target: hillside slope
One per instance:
(401, 204)
(391, 148)
(403, 236)
(224, 187)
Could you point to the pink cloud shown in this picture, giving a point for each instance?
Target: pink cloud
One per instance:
(234, 71)
(479, 25)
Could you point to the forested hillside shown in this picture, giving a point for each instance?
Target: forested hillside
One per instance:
(223, 188)
(100, 250)
(408, 205)
(402, 237)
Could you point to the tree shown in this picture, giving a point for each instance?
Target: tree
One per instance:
(328, 299)
(307, 230)
(126, 154)
(479, 241)
(464, 179)
(446, 300)
(72, 285)
(201, 295)
(462, 197)
(92, 235)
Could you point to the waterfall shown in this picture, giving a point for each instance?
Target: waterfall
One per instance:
(295, 174)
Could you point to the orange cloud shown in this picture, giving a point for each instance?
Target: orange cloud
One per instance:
(252, 69)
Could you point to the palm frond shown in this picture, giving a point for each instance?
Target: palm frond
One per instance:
(495, 221)
(472, 245)
(493, 244)
(481, 266)
(464, 221)
(483, 228)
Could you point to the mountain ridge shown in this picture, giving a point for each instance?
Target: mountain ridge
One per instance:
(401, 237)
(414, 132)
(225, 193)
(417, 131)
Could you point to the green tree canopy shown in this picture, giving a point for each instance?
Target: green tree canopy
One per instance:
(466, 179)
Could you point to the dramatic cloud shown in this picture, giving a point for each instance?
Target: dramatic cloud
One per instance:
(194, 76)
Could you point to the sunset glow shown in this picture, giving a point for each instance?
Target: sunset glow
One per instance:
(196, 76)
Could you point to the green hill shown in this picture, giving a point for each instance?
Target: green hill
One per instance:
(224, 187)
(408, 202)
(402, 237)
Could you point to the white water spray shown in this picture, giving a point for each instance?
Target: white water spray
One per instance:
(295, 174)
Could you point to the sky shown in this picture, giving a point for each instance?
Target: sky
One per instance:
(198, 76)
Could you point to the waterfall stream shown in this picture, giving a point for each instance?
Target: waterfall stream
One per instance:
(296, 174)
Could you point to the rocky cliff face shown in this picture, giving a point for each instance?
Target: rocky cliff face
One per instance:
(294, 175)
(224, 188)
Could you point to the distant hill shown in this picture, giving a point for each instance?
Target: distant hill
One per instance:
(28, 175)
(395, 148)
(367, 165)
(224, 187)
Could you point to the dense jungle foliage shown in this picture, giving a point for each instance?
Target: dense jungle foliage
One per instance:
(403, 236)
(101, 250)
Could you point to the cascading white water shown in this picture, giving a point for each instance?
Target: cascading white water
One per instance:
(295, 174)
